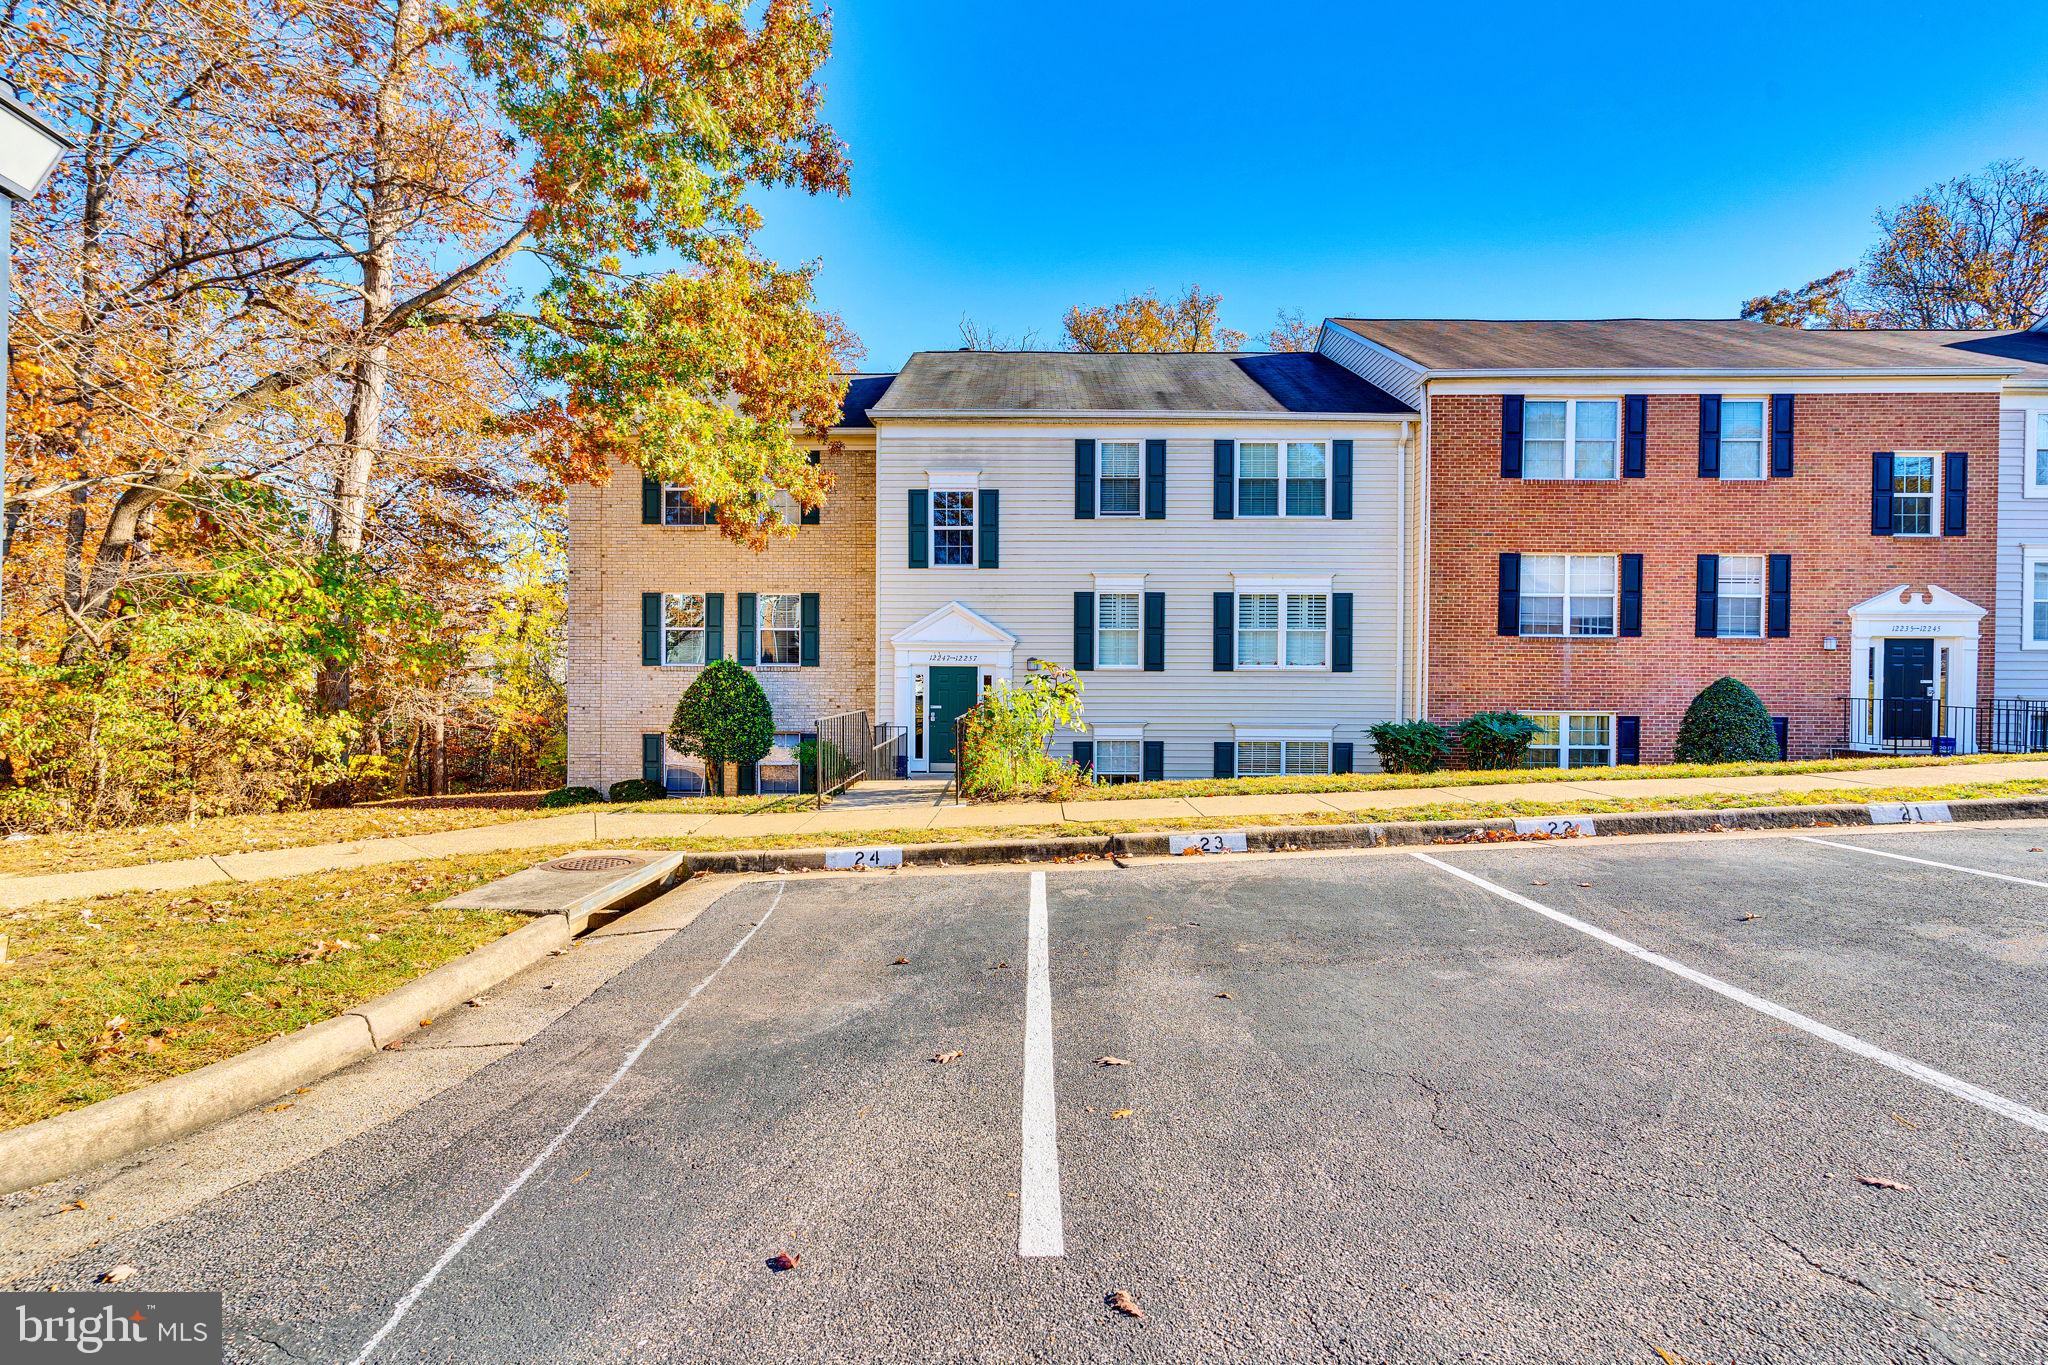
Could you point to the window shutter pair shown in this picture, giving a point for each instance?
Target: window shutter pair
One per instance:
(652, 749)
(1340, 632)
(1710, 435)
(1153, 622)
(651, 627)
(1154, 475)
(749, 636)
(1635, 436)
(1225, 502)
(807, 647)
(1084, 632)
(811, 516)
(1223, 632)
(1781, 435)
(1628, 606)
(1628, 740)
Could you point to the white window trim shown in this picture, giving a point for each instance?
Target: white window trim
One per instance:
(2033, 429)
(1284, 738)
(973, 527)
(1564, 744)
(2030, 557)
(788, 761)
(1934, 510)
(1763, 455)
(1280, 664)
(703, 630)
(952, 480)
(760, 628)
(1566, 633)
(1282, 514)
(1128, 587)
(668, 488)
(1137, 512)
(1763, 601)
(1571, 437)
(1119, 734)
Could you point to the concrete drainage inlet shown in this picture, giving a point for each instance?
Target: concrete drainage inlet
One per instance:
(597, 864)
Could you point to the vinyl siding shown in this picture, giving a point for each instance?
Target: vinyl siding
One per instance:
(2022, 521)
(1372, 364)
(1048, 555)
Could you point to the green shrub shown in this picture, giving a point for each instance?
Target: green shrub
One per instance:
(637, 789)
(1410, 746)
(569, 796)
(1004, 747)
(723, 717)
(1496, 739)
(1727, 723)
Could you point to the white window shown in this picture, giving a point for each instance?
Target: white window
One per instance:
(1282, 478)
(681, 774)
(1571, 740)
(2034, 564)
(1278, 757)
(1118, 465)
(1739, 598)
(1742, 438)
(778, 621)
(2035, 448)
(678, 510)
(1571, 439)
(1283, 629)
(1913, 488)
(1118, 630)
(1119, 760)
(785, 506)
(1568, 595)
(953, 527)
(778, 774)
(682, 628)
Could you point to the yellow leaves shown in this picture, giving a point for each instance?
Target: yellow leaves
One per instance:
(1145, 322)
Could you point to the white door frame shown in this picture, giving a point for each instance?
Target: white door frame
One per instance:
(1952, 622)
(953, 636)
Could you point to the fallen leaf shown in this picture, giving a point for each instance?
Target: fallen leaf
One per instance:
(1123, 1303)
(900, 962)
(1666, 1356)
(74, 1204)
(1904, 1122)
(1111, 1061)
(280, 1108)
(1585, 883)
(1225, 995)
(1539, 883)
(578, 1180)
(955, 1055)
(117, 1274)
(1879, 1182)
(1122, 1113)
(1750, 916)
(783, 1260)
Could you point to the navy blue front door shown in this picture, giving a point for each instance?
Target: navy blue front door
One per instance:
(1908, 690)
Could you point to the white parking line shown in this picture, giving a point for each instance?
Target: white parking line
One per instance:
(1905, 1066)
(1924, 862)
(1040, 1230)
(426, 1281)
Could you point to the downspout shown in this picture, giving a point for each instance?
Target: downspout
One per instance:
(1401, 577)
(1424, 534)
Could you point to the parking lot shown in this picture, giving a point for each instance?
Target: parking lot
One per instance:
(1717, 1098)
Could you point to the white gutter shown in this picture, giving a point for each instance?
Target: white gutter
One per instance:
(1130, 415)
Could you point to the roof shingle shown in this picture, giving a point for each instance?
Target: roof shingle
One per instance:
(1025, 382)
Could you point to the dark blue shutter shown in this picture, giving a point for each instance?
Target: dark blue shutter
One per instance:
(1508, 619)
(1631, 606)
(750, 779)
(810, 515)
(714, 627)
(711, 514)
(1084, 479)
(1226, 477)
(1955, 494)
(991, 528)
(1084, 755)
(650, 502)
(1778, 618)
(749, 639)
(1226, 759)
(1155, 760)
(1710, 435)
(1340, 480)
(1222, 632)
(808, 638)
(1628, 740)
(651, 755)
(1084, 631)
(1881, 493)
(1635, 436)
(1781, 731)
(1781, 435)
(1511, 436)
(1340, 632)
(1155, 632)
(1155, 480)
(1343, 758)
(920, 528)
(650, 628)
(1707, 597)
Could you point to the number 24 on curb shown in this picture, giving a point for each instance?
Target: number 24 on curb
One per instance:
(844, 859)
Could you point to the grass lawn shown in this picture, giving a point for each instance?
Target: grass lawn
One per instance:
(78, 850)
(103, 995)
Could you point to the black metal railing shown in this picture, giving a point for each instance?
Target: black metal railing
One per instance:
(962, 725)
(1919, 725)
(842, 759)
(889, 754)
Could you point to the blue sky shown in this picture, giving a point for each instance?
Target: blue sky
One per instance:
(1420, 159)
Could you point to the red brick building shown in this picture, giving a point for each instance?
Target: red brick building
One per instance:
(1621, 512)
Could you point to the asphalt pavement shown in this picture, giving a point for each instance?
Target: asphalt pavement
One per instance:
(1705, 1099)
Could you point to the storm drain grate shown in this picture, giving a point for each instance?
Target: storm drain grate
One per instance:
(600, 864)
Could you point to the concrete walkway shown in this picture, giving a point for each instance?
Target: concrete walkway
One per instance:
(921, 812)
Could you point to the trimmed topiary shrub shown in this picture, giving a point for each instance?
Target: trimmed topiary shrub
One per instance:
(569, 796)
(1727, 723)
(637, 789)
(1497, 739)
(723, 717)
(1410, 746)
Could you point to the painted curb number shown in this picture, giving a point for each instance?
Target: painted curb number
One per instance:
(1556, 826)
(1177, 844)
(1909, 813)
(843, 859)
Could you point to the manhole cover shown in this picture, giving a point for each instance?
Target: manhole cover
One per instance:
(601, 864)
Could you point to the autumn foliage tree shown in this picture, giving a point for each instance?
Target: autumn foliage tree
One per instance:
(1146, 322)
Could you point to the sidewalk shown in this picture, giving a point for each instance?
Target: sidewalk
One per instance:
(598, 826)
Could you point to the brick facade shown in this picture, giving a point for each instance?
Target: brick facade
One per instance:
(1821, 517)
(613, 558)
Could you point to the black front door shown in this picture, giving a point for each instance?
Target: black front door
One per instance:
(1908, 690)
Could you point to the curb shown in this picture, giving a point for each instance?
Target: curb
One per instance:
(66, 1144)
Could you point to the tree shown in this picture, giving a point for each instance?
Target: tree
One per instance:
(1292, 332)
(1969, 253)
(1727, 723)
(723, 717)
(974, 337)
(1145, 322)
